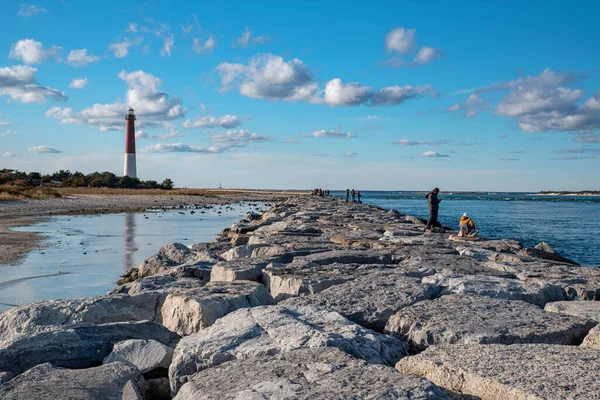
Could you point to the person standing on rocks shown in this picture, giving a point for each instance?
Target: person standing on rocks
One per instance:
(353, 195)
(434, 206)
(347, 194)
(358, 196)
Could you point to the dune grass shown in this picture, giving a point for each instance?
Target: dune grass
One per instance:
(9, 193)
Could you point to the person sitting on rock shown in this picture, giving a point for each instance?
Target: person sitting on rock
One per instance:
(467, 226)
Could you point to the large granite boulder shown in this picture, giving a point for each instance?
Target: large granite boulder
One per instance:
(370, 300)
(538, 293)
(46, 315)
(471, 319)
(145, 355)
(516, 372)
(584, 309)
(46, 382)
(173, 255)
(273, 330)
(77, 346)
(241, 269)
(349, 257)
(306, 374)
(592, 340)
(188, 311)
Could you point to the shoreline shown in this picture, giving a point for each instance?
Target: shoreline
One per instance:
(15, 245)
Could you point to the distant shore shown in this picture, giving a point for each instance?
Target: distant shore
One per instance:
(14, 213)
(564, 193)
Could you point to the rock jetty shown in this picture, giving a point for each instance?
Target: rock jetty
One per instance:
(319, 299)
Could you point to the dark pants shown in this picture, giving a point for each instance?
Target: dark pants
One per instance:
(433, 216)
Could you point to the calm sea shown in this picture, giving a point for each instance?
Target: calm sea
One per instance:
(567, 223)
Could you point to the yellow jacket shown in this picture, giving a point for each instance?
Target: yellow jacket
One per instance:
(468, 221)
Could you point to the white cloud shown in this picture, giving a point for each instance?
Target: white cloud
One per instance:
(408, 142)
(19, 83)
(168, 43)
(78, 83)
(394, 95)
(226, 121)
(425, 55)
(132, 27)
(121, 49)
(269, 77)
(433, 154)
(29, 10)
(7, 132)
(172, 133)
(4, 123)
(339, 94)
(246, 38)
(238, 138)
(470, 107)
(32, 52)
(400, 40)
(336, 133)
(152, 106)
(204, 47)
(180, 148)
(8, 154)
(80, 58)
(43, 149)
(588, 138)
(350, 154)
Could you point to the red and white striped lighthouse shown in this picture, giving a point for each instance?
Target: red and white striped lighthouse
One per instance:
(130, 168)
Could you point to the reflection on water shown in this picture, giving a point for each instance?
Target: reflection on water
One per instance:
(86, 254)
(129, 241)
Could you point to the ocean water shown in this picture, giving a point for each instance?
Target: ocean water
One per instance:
(567, 223)
(84, 255)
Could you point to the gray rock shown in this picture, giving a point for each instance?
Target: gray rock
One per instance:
(502, 288)
(188, 311)
(239, 240)
(145, 355)
(516, 372)
(77, 346)
(173, 255)
(470, 319)
(267, 331)
(592, 340)
(372, 299)
(240, 269)
(584, 309)
(244, 251)
(306, 374)
(545, 255)
(46, 382)
(47, 315)
(349, 257)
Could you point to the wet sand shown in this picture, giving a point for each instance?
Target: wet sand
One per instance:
(14, 245)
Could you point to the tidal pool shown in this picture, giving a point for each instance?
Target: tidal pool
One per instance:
(84, 255)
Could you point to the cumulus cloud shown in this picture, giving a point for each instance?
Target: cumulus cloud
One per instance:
(19, 83)
(171, 133)
(336, 133)
(81, 58)
(180, 148)
(433, 154)
(204, 47)
(469, 107)
(225, 121)
(7, 132)
(247, 38)
(43, 149)
(78, 83)
(121, 49)
(238, 138)
(337, 93)
(426, 54)
(394, 95)
(400, 40)
(168, 43)
(8, 154)
(267, 76)
(33, 52)
(29, 10)
(408, 142)
(152, 106)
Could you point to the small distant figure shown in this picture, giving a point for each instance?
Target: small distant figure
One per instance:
(353, 195)
(358, 196)
(467, 226)
(347, 194)
(434, 206)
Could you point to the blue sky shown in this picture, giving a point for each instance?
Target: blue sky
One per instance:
(385, 95)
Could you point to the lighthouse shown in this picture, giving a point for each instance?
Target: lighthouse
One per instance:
(130, 169)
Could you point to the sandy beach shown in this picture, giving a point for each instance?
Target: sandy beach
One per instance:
(14, 245)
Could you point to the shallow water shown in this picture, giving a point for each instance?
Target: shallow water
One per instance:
(85, 255)
(567, 223)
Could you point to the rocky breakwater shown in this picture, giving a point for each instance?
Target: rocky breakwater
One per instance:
(318, 298)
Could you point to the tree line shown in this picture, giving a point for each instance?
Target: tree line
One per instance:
(79, 179)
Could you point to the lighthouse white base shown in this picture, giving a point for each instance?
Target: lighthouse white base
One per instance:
(130, 169)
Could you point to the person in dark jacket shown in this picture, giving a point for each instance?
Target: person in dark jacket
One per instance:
(434, 206)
